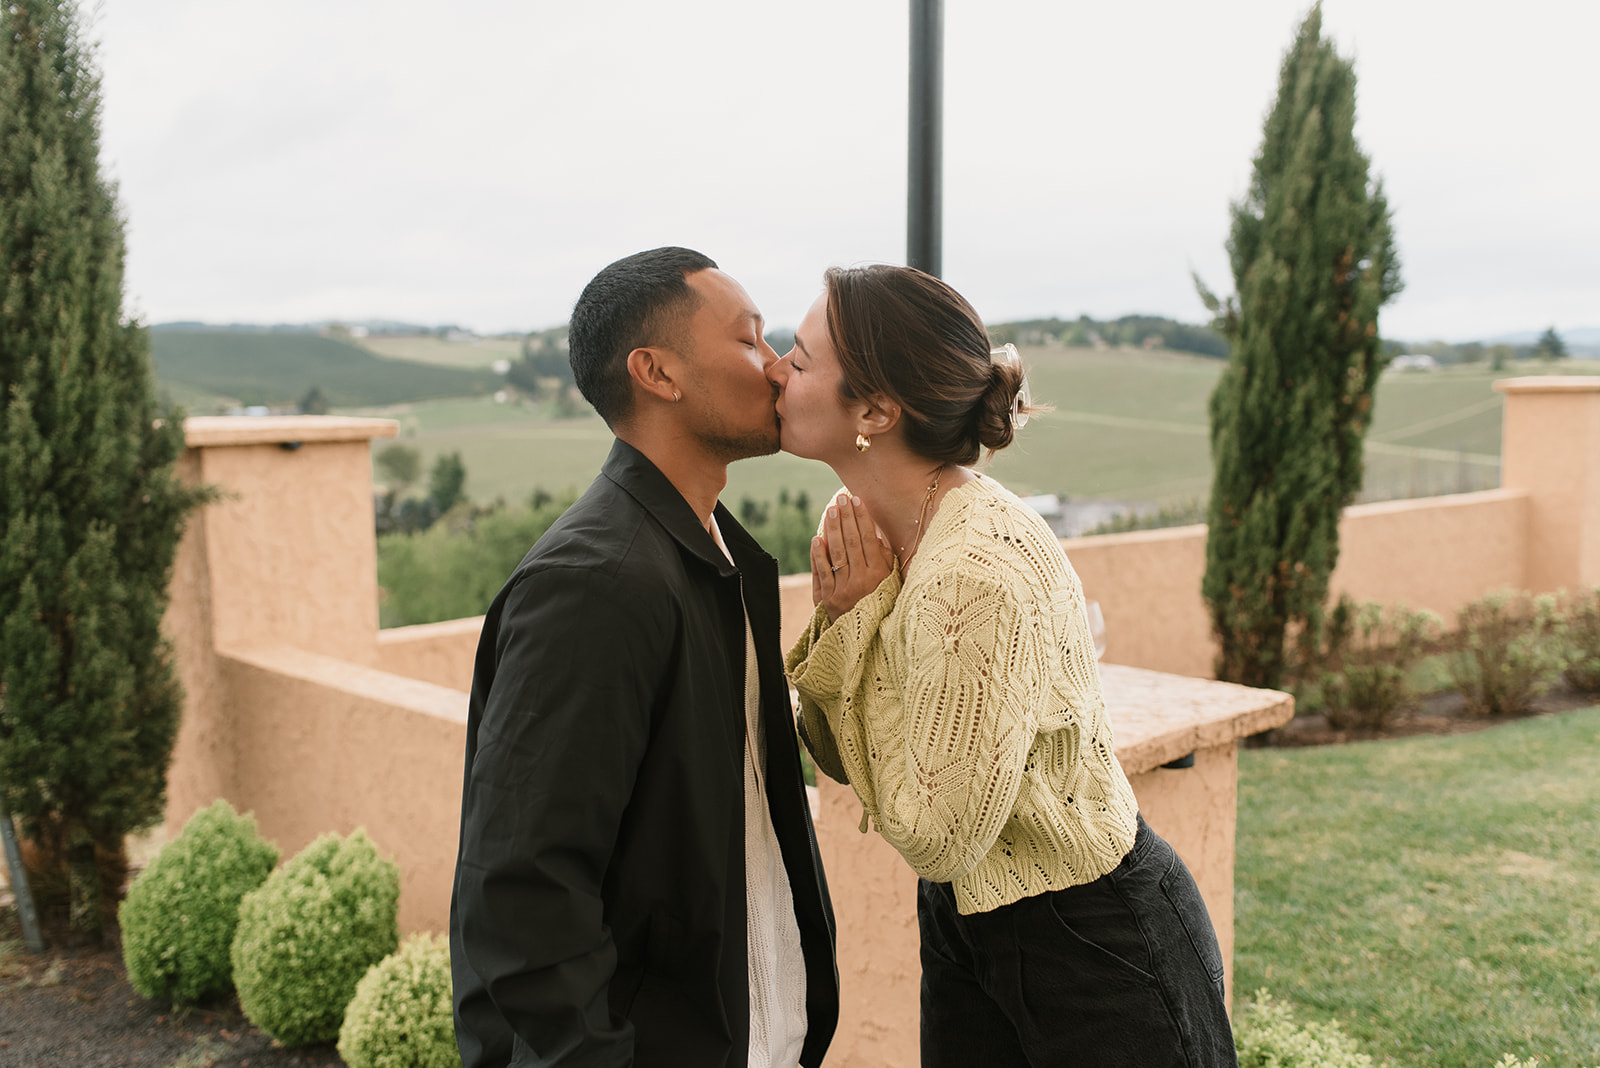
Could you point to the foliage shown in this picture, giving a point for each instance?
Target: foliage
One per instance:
(1180, 514)
(1267, 1035)
(447, 482)
(1313, 260)
(455, 569)
(394, 512)
(1507, 652)
(313, 403)
(543, 368)
(785, 531)
(400, 1016)
(1579, 629)
(179, 918)
(399, 465)
(1365, 660)
(278, 367)
(310, 932)
(1433, 894)
(1550, 346)
(91, 510)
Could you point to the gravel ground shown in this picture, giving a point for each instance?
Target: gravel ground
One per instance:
(71, 1007)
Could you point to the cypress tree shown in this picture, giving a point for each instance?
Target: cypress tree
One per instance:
(90, 508)
(1313, 260)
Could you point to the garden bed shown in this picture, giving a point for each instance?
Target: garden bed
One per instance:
(74, 1007)
(1439, 713)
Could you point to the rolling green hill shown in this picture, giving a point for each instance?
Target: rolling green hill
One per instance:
(197, 366)
(1128, 424)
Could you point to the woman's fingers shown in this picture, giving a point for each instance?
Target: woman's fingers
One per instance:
(823, 574)
(874, 549)
(833, 535)
(851, 513)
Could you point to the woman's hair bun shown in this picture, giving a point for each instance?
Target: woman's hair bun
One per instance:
(994, 409)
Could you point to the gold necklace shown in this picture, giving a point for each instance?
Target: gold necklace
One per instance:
(922, 514)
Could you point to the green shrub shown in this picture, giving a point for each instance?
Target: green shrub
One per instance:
(1508, 652)
(1368, 655)
(180, 913)
(1267, 1036)
(401, 1014)
(309, 934)
(454, 568)
(1580, 633)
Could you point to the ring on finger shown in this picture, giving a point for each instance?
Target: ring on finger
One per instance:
(835, 568)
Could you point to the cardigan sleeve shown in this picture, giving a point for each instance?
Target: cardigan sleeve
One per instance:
(940, 739)
(826, 665)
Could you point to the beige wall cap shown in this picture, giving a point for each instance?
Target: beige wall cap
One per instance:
(1156, 717)
(208, 431)
(1550, 384)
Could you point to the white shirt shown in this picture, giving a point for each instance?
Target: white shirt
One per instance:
(776, 962)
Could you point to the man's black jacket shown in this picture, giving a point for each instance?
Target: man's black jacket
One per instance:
(598, 914)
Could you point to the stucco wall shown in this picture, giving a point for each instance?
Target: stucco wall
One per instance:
(1551, 449)
(325, 745)
(433, 652)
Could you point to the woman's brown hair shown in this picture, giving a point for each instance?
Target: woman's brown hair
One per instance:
(906, 335)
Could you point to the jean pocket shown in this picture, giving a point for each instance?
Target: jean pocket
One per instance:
(1100, 928)
(1184, 896)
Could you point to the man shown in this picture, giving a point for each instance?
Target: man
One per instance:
(638, 881)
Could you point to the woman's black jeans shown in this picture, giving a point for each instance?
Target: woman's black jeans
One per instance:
(1123, 972)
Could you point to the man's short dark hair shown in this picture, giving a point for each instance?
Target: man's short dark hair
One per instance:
(640, 300)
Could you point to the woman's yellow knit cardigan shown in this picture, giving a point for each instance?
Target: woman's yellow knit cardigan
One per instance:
(965, 709)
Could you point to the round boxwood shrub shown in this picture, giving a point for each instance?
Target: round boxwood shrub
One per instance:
(1268, 1036)
(400, 1016)
(180, 913)
(309, 934)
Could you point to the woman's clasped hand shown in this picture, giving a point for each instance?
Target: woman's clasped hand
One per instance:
(849, 559)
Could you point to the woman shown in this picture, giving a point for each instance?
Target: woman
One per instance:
(949, 676)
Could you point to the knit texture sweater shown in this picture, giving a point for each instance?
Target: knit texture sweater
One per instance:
(964, 707)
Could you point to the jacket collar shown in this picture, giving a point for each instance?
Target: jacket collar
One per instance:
(642, 480)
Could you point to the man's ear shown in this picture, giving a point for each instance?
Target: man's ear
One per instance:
(652, 370)
(877, 414)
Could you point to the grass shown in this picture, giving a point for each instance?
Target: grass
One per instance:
(1438, 896)
(280, 368)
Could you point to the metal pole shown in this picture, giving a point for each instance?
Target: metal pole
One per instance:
(925, 181)
(19, 884)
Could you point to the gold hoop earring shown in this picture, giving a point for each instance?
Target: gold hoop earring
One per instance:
(863, 443)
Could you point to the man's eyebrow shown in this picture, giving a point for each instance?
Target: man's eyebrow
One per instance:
(751, 315)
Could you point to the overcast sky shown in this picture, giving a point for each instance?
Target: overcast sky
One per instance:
(477, 161)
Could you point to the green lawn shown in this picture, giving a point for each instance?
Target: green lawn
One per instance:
(1439, 897)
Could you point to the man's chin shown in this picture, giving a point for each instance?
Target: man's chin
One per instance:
(747, 447)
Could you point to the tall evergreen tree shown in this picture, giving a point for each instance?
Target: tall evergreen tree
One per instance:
(90, 508)
(1313, 260)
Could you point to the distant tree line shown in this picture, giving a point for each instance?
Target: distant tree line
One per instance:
(1150, 331)
(1549, 346)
